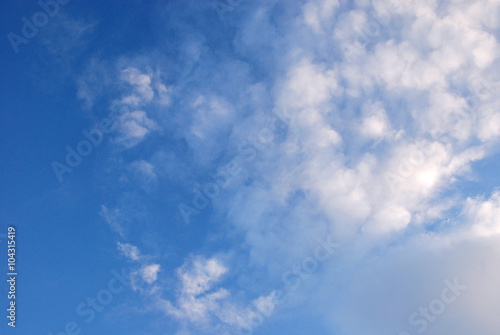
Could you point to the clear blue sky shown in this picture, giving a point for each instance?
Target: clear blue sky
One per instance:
(234, 166)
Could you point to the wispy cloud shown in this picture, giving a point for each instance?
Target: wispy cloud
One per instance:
(129, 251)
(112, 218)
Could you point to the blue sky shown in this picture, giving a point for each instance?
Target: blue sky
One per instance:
(252, 167)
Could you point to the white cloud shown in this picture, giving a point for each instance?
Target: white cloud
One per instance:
(316, 12)
(404, 88)
(308, 85)
(375, 123)
(112, 218)
(211, 121)
(129, 251)
(150, 273)
(196, 301)
(133, 127)
(163, 93)
(202, 302)
(144, 170)
(484, 214)
(138, 93)
(66, 37)
(92, 83)
(141, 85)
(200, 276)
(144, 273)
(417, 72)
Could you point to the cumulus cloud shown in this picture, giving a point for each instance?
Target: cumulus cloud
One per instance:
(409, 86)
(142, 93)
(196, 301)
(144, 273)
(202, 301)
(133, 127)
(387, 106)
(375, 123)
(130, 109)
(150, 273)
(484, 215)
(317, 12)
